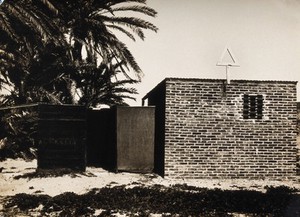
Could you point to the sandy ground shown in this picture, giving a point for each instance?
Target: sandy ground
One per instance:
(98, 178)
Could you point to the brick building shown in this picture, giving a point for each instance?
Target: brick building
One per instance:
(206, 128)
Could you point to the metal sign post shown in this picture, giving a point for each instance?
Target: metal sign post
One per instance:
(231, 63)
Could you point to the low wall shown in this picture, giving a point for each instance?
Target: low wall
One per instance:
(61, 137)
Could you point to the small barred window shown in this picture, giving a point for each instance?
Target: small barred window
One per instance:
(253, 107)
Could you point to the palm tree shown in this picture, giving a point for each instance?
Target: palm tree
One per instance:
(30, 27)
(92, 24)
(101, 85)
(25, 31)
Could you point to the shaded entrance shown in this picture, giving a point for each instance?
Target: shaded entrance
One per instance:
(121, 138)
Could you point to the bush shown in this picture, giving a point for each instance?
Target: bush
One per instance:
(17, 133)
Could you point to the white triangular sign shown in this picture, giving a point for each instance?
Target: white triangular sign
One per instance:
(227, 58)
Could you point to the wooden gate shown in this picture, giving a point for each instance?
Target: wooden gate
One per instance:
(61, 137)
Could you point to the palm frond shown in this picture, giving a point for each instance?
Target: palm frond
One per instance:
(127, 57)
(111, 3)
(6, 26)
(127, 33)
(50, 6)
(131, 21)
(24, 15)
(5, 55)
(137, 8)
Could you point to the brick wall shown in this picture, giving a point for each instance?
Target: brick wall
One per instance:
(206, 135)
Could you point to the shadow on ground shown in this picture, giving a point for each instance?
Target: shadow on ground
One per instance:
(179, 200)
(53, 173)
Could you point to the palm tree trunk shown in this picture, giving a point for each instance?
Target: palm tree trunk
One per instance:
(77, 52)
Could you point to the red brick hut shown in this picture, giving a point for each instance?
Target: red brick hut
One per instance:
(206, 128)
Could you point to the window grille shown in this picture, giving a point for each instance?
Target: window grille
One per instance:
(253, 107)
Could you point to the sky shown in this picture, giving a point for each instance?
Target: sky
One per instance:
(264, 36)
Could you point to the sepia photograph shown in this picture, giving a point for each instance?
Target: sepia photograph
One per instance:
(150, 108)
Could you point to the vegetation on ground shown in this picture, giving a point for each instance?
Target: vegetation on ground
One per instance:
(181, 200)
